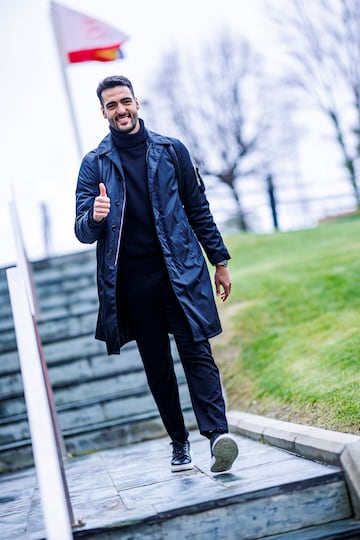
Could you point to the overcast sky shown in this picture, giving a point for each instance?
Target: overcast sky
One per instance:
(39, 157)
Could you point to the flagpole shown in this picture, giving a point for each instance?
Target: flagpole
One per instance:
(66, 84)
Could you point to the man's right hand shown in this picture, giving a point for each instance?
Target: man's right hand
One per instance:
(101, 205)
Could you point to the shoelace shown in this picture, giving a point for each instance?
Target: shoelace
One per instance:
(178, 448)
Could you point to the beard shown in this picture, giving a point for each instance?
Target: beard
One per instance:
(128, 126)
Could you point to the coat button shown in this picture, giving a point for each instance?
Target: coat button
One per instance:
(113, 228)
(117, 202)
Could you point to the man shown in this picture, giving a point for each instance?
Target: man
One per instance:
(146, 208)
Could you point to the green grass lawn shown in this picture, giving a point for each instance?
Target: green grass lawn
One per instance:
(291, 342)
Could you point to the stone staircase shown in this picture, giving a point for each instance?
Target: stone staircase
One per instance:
(102, 401)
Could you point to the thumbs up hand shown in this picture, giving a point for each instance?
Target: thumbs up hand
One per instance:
(101, 205)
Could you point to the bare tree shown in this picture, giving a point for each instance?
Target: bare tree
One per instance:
(220, 109)
(322, 39)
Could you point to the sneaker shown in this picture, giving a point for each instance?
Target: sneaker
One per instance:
(181, 459)
(224, 451)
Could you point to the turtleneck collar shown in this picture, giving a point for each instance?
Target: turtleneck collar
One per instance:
(127, 140)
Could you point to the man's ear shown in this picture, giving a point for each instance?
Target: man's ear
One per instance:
(103, 112)
(137, 103)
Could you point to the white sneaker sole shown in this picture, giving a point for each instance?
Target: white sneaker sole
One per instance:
(185, 467)
(224, 453)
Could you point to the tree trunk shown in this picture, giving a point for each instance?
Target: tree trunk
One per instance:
(348, 161)
(240, 212)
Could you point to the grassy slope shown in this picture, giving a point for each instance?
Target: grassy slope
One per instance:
(291, 342)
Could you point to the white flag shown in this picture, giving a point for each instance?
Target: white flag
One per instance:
(82, 38)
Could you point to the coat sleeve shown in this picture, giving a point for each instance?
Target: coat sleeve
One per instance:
(86, 229)
(197, 208)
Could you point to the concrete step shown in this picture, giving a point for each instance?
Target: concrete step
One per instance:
(129, 493)
(87, 438)
(64, 285)
(5, 308)
(76, 416)
(53, 328)
(91, 376)
(85, 370)
(57, 351)
(65, 268)
(348, 529)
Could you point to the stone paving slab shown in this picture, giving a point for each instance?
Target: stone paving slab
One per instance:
(133, 486)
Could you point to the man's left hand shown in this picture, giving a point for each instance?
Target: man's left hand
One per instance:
(222, 280)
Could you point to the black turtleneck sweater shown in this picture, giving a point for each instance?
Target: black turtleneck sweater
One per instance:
(140, 251)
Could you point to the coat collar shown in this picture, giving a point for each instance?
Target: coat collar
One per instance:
(153, 139)
(106, 146)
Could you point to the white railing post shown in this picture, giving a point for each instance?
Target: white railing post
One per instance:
(58, 515)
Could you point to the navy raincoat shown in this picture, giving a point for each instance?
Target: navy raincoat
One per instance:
(183, 224)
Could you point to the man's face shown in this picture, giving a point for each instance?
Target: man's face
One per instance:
(121, 109)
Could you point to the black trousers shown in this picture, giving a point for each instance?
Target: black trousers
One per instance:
(154, 312)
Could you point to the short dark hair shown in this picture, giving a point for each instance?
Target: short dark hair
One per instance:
(111, 82)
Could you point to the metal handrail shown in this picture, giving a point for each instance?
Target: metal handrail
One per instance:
(24, 266)
(46, 437)
(23, 261)
(54, 493)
